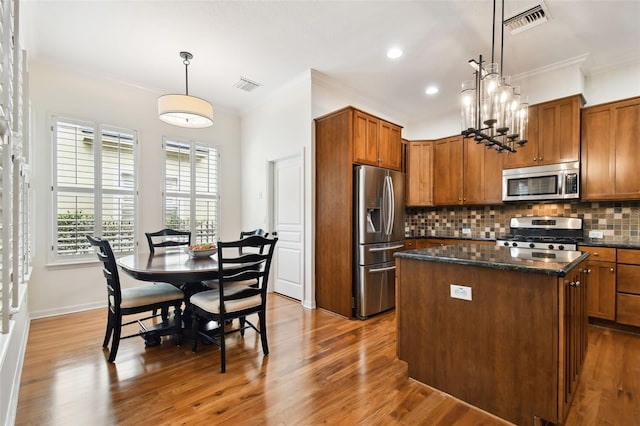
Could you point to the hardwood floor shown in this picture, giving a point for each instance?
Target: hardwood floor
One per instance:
(322, 369)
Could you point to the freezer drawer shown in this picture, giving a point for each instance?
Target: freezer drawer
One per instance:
(375, 289)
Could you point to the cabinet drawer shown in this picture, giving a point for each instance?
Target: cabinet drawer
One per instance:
(604, 254)
(628, 278)
(628, 309)
(629, 256)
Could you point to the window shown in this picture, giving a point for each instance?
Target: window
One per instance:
(94, 187)
(191, 189)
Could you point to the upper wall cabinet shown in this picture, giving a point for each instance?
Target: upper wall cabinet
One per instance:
(419, 173)
(376, 142)
(482, 174)
(610, 151)
(447, 171)
(553, 134)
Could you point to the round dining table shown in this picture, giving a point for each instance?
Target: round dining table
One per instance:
(175, 267)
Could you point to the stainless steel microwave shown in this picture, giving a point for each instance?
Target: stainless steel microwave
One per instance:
(540, 183)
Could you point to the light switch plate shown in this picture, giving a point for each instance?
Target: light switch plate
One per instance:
(460, 292)
(596, 234)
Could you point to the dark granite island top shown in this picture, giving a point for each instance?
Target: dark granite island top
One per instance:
(505, 334)
(499, 258)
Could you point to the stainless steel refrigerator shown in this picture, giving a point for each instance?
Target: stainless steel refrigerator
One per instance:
(379, 233)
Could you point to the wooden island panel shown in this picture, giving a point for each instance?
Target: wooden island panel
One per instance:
(499, 352)
(515, 349)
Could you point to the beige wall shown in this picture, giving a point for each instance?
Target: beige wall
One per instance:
(54, 90)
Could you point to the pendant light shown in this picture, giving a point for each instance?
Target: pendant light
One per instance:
(185, 110)
(493, 111)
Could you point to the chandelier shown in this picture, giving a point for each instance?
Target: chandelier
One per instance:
(493, 111)
(185, 110)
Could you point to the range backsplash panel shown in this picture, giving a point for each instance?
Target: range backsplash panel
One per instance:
(615, 219)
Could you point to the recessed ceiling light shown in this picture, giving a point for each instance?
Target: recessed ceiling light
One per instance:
(431, 90)
(394, 53)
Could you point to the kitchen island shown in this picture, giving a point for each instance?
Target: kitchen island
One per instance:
(502, 329)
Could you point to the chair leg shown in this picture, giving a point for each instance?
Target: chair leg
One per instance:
(263, 332)
(243, 321)
(164, 314)
(194, 330)
(108, 331)
(223, 358)
(177, 318)
(117, 330)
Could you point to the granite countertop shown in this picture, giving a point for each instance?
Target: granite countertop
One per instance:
(613, 242)
(494, 257)
(439, 237)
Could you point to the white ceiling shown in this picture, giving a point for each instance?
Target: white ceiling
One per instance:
(274, 42)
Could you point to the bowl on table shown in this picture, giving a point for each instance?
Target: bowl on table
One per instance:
(197, 251)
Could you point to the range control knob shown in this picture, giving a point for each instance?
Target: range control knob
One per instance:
(550, 246)
(515, 244)
(506, 244)
(561, 247)
(532, 245)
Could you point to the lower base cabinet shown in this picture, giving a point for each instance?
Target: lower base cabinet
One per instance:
(628, 287)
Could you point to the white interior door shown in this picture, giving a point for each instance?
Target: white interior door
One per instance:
(288, 222)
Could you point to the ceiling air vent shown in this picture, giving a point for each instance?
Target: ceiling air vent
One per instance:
(528, 19)
(246, 84)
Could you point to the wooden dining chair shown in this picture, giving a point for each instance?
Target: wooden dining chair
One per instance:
(136, 300)
(227, 303)
(167, 238)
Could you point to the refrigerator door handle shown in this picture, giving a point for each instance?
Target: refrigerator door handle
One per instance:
(385, 206)
(388, 268)
(373, 250)
(391, 204)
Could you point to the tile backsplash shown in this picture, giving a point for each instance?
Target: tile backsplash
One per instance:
(614, 219)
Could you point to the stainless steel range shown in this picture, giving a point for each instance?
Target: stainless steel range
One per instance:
(543, 233)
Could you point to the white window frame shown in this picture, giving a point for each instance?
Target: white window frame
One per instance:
(97, 191)
(192, 196)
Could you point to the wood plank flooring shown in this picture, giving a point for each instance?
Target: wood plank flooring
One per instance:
(322, 369)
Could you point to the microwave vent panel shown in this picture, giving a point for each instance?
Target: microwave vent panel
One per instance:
(528, 19)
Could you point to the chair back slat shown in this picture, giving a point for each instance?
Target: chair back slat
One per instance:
(167, 238)
(233, 266)
(109, 268)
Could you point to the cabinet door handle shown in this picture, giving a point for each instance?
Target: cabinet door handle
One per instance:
(612, 270)
(596, 253)
(540, 158)
(534, 158)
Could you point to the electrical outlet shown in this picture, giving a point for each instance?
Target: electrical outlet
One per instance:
(596, 234)
(466, 230)
(460, 292)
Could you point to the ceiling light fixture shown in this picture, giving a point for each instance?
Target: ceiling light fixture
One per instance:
(185, 110)
(394, 53)
(493, 111)
(431, 90)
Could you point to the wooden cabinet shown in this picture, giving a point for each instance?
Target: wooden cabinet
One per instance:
(465, 172)
(482, 174)
(342, 138)
(553, 134)
(628, 295)
(610, 151)
(376, 142)
(447, 171)
(601, 293)
(573, 334)
(419, 173)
